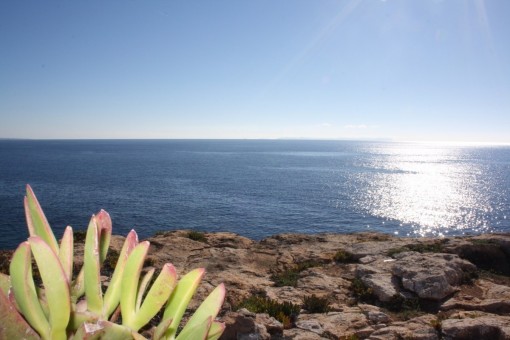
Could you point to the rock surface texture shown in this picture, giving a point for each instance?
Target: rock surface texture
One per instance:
(350, 286)
(375, 286)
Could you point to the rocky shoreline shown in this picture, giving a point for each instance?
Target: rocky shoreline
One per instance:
(373, 286)
(347, 286)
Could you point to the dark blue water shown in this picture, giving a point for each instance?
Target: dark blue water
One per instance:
(257, 188)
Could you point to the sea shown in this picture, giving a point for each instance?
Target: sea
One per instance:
(258, 188)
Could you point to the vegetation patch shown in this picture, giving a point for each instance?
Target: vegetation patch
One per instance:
(290, 276)
(361, 291)
(285, 312)
(315, 304)
(343, 256)
(197, 236)
(435, 247)
(482, 241)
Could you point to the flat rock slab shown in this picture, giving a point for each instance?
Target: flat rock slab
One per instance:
(476, 325)
(483, 296)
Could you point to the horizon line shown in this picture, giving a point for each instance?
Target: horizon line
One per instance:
(387, 140)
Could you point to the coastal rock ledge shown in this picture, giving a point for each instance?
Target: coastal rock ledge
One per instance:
(351, 286)
(348, 286)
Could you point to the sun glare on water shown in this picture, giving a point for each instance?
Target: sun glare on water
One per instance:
(430, 188)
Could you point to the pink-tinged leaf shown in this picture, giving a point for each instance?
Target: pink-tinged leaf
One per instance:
(197, 332)
(24, 292)
(13, 326)
(180, 298)
(36, 220)
(129, 285)
(66, 253)
(216, 330)
(104, 226)
(91, 265)
(112, 295)
(157, 296)
(56, 286)
(209, 308)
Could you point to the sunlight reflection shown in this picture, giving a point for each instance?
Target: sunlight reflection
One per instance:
(429, 188)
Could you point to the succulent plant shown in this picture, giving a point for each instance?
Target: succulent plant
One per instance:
(78, 309)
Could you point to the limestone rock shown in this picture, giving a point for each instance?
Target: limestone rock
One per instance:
(431, 275)
(483, 296)
(336, 324)
(420, 328)
(377, 274)
(245, 325)
(476, 325)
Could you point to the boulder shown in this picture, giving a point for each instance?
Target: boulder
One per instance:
(431, 275)
(244, 325)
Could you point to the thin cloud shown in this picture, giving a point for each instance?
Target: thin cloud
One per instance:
(360, 126)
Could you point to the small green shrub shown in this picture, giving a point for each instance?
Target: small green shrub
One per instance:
(343, 256)
(285, 312)
(197, 236)
(290, 276)
(315, 304)
(406, 308)
(437, 324)
(361, 291)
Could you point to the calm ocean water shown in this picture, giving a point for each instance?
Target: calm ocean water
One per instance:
(258, 188)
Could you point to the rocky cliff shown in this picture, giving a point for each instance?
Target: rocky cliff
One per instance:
(355, 286)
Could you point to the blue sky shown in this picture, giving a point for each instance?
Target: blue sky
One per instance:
(396, 69)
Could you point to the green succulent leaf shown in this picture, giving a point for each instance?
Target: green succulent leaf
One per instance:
(79, 318)
(180, 298)
(216, 330)
(91, 265)
(197, 332)
(78, 286)
(24, 291)
(142, 287)
(36, 220)
(113, 293)
(56, 286)
(13, 324)
(157, 295)
(129, 285)
(105, 330)
(66, 253)
(209, 308)
(159, 332)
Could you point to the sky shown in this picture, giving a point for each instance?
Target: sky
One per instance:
(421, 70)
